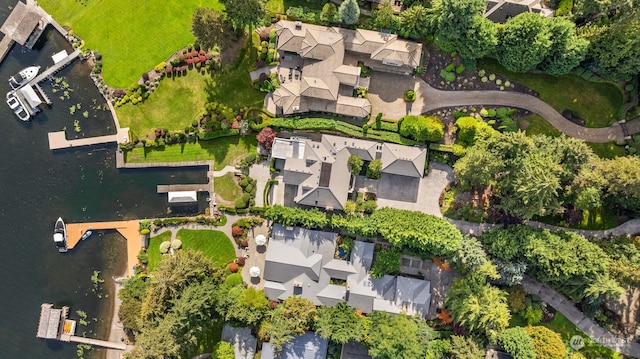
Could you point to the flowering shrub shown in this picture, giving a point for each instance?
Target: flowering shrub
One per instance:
(233, 267)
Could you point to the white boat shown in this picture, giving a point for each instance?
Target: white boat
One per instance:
(12, 100)
(18, 80)
(60, 235)
(22, 113)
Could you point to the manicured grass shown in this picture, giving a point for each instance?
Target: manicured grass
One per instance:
(596, 103)
(281, 6)
(227, 188)
(223, 151)
(133, 36)
(154, 249)
(607, 150)
(174, 105)
(232, 86)
(213, 244)
(536, 125)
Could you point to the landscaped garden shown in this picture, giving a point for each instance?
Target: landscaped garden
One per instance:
(597, 103)
(227, 187)
(213, 244)
(133, 38)
(223, 151)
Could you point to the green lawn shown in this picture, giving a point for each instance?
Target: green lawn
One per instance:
(536, 125)
(154, 249)
(227, 188)
(596, 103)
(213, 244)
(174, 105)
(223, 151)
(133, 36)
(232, 86)
(281, 6)
(607, 150)
(561, 325)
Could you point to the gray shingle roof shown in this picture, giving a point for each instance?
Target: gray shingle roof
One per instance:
(306, 346)
(502, 10)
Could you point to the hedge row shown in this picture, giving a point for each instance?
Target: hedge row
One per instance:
(227, 132)
(318, 124)
(212, 221)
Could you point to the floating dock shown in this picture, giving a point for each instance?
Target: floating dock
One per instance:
(58, 140)
(54, 325)
(128, 229)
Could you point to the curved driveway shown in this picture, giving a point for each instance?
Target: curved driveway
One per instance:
(387, 90)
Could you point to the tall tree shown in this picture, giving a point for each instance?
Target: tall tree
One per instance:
(292, 317)
(385, 18)
(478, 306)
(349, 12)
(413, 22)
(209, 27)
(524, 42)
(355, 163)
(462, 28)
(518, 343)
(400, 336)
(244, 305)
(329, 12)
(465, 348)
(244, 13)
(341, 324)
(622, 182)
(567, 49)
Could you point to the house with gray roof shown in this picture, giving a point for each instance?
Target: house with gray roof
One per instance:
(323, 71)
(302, 262)
(317, 173)
(306, 346)
(502, 10)
(243, 342)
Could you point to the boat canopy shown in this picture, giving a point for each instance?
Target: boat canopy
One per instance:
(31, 96)
(58, 237)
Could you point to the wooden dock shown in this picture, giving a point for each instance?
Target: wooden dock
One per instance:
(58, 140)
(166, 188)
(94, 342)
(5, 45)
(55, 68)
(128, 229)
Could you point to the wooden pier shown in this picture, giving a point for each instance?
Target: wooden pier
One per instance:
(128, 229)
(55, 68)
(54, 325)
(166, 188)
(58, 140)
(24, 25)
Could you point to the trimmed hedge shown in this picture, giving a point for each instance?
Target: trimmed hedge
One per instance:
(319, 124)
(228, 132)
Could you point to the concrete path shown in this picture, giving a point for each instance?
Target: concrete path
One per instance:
(261, 173)
(386, 95)
(224, 171)
(589, 327)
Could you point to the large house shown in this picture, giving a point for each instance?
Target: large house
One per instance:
(502, 10)
(319, 69)
(317, 173)
(302, 262)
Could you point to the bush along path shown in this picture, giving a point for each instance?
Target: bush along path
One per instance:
(589, 327)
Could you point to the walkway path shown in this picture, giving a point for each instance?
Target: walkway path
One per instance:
(224, 171)
(261, 173)
(387, 90)
(588, 326)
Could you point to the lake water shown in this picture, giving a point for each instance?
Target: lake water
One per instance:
(37, 186)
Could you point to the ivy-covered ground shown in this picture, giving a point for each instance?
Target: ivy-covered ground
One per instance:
(133, 37)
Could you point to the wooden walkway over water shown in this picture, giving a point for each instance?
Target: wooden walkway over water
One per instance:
(128, 229)
(55, 68)
(166, 188)
(58, 140)
(95, 342)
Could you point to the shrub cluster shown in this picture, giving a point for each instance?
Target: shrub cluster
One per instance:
(218, 220)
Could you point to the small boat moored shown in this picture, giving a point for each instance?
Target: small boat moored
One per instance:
(12, 100)
(21, 78)
(22, 113)
(86, 235)
(60, 235)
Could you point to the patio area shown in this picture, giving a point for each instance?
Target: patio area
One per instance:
(255, 255)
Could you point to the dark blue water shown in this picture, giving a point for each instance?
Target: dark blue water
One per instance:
(37, 186)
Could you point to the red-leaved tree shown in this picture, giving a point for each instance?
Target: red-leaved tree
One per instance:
(266, 137)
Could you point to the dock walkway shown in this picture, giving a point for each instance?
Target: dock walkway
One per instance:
(5, 45)
(95, 342)
(166, 188)
(58, 140)
(128, 229)
(55, 68)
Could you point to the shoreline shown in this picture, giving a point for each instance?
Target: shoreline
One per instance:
(116, 331)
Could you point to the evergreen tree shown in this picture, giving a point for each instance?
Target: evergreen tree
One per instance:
(524, 42)
(349, 12)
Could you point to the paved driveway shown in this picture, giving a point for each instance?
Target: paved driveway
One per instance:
(428, 196)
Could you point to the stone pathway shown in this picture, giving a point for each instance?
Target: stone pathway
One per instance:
(386, 95)
(589, 327)
(224, 171)
(261, 173)
(255, 256)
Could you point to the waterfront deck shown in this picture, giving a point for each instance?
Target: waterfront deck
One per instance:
(58, 140)
(166, 188)
(24, 25)
(128, 229)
